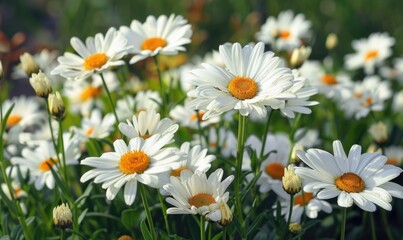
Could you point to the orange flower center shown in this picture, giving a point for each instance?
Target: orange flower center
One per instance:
(134, 162)
(90, 92)
(145, 136)
(368, 101)
(242, 88)
(13, 120)
(329, 79)
(47, 164)
(177, 172)
(201, 199)
(350, 182)
(303, 199)
(392, 161)
(89, 131)
(196, 116)
(285, 34)
(371, 55)
(96, 60)
(153, 43)
(275, 170)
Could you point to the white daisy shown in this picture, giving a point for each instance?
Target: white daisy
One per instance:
(187, 117)
(97, 55)
(395, 72)
(222, 139)
(397, 104)
(96, 126)
(394, 154)
(370, 52)
(304, 202)
(194, 193)
(287, 32)
(141, 160)
(146, 124)
(16, 188)
(251, 81)
(39, 160)
(165, 35)
(362, 179)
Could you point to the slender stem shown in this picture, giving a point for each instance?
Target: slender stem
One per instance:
(62, 152)
(264, 136)
(163, 95)
(372, 222)
(147, 209)
(164, 212)
(62, 234)
(289, 215)
(202, 226)
(343, 223)
(52, 133)
(110, 99)
(238, 171)
(386, 225)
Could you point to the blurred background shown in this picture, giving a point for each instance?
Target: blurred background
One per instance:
(31, 25)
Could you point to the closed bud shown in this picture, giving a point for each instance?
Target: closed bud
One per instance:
(379, 133)
(56, 105)
(1, 70)
(62, 216)
(294, 158)
(295, 228)
(331, 41)
(226, 214)
(299, 56)
(41, 84)
(28, 64)
(291, 181)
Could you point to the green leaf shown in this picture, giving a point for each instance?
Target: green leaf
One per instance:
(81, 200)
(95, 235)
(144, 230)
(82, 216)
(218, 236)
(60, 184)
(130, 218)
(256, 223)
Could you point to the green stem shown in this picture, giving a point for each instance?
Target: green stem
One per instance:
(386, 225)
(147, 209)
(202, 226)
(343, 223)
(372, 222)
(264, 136)
(289, 216)
(62, 152)
(164, 212)
(62, 234)
(238, 171)
(52, 134)
(110, 100)
(163, 95)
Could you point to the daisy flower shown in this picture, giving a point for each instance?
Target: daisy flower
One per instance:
(144, 100)
(304, 202)
(358, 178)
(394, 72)
(146, 124)
(251, 81)
(370, 52)
(194, 193)
(139, 161)
(187, 117)
(164, 35)
(26, 111)
(40, 159)
(287, 32)
(394, 154)
(397, 104)
(222, 138)
(97, 55)
(96, 126)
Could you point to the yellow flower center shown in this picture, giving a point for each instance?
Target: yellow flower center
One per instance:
(195, 116)
(96, 60)
(177, 172)
(350, 182)
(13, 120)
(47, 164)
(242, 88)
(303, 199)
(145, 136)
(371, 54)
(329, 79)
(153, 43)
(392, 161)
(89, 131)
(201, 199)
(275, 170)
(285, 34)
(134, 162)
(368, 101)
(90, 92)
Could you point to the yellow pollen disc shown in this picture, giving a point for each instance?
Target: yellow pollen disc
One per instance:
(201, 199)
(213, 144)
(303, 199)
(195, 116)
(285, 34)
(13, 120)
(177, 172)
(350, 182)
(243, 88)
(145, 136)
(89, 131)
(96, 60)
(368, 101)
(275, 170)
(329, 79)
(134, 162)
(153, 43)
(392, 161)
(17, 191)
(371, 54)
(47, 164)
(357, 95)
(90, 92)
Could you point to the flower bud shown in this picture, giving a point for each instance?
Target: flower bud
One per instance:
(226, 214)
(56, 105)
(41, 84)
(379, 133)
(62, 216)
(291, 181)
(28, 64)
(294, 158)
(125, 237)
(331, 41)
(295, 228)
(1, 70)
(299, 56)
